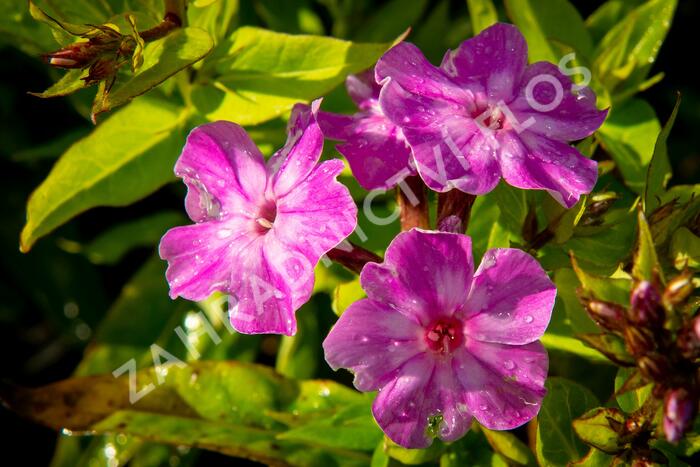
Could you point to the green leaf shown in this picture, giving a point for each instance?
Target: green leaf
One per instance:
(562, 221)
(567, 282)
(345, 294)
(545, 23)
(509, 446)
(610, 345)
(221, 406)
(512, 203)
(472, 450)
(565, 401)
(108, 169)
(659, 171)
(63, 26)
(609, 289)
(350, 428)
(628, 135)
(601, 429)
(69, 83)
(482, 223)
(216, 17)
(594, 458)
(111, 246)
(161, 60)
(685, 249)
(482, 14)
(552, 340)
(646, 262)
(638, 392)
(391, 20)
(257, 74)
(18, 28)
(298, 355)
(413, 456)
(627, 52)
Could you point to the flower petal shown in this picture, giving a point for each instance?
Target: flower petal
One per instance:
(411, 110)
(199, 256)
(504, 384)
(223, 169)
(362, 88)
(295, 161)
(375, 148)
(336, 126)
(496, 59)
(455, 154)
(372, 340)
(425, 274)
(511, 299)
(261, 299)
(406, 65)
(317, 214)
(378, 154)
(536, 162)
(423, 388)
(575, 117)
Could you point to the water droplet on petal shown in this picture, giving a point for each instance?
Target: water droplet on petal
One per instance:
(529, 319)
(509, 364)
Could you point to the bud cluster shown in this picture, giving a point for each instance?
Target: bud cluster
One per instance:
(662, 336)
(104, 51)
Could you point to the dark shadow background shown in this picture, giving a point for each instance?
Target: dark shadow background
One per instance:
(50, 300)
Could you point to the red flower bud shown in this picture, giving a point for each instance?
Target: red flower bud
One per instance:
(654, 367)
(646, 306)
(689, 339)
(639, 341)
(76, 55)
(608, 316)
(680, 408)
(679, 288)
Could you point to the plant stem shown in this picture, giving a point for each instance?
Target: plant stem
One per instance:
(413, 203)
(355, 259)
(455, 203)
(173, 18)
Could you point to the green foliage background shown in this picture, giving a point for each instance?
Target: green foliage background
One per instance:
(90, 293)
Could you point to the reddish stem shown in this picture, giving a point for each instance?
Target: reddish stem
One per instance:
(413, 202)
(355, 259)
(455, 203)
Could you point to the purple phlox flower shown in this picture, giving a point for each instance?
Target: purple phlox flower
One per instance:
(485, 114)
(260, 228)
(375, 148)
(442, 344)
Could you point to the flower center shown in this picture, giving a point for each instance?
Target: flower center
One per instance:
(266, 217)
(485, 115)
(444, 335)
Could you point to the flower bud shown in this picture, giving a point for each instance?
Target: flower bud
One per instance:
(76, 55)
(679, 289)
(645, 308)
(689, 339)
(608, 316)
(680, 408)
(639, 341)
(654, 367)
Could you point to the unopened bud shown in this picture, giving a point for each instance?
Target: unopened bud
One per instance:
(680, 409)
(645, 305)
(103, 68)
(689, 339)
(654, 367)
(639, 341)
(76, 55)
(608, 316)
(679, 289)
